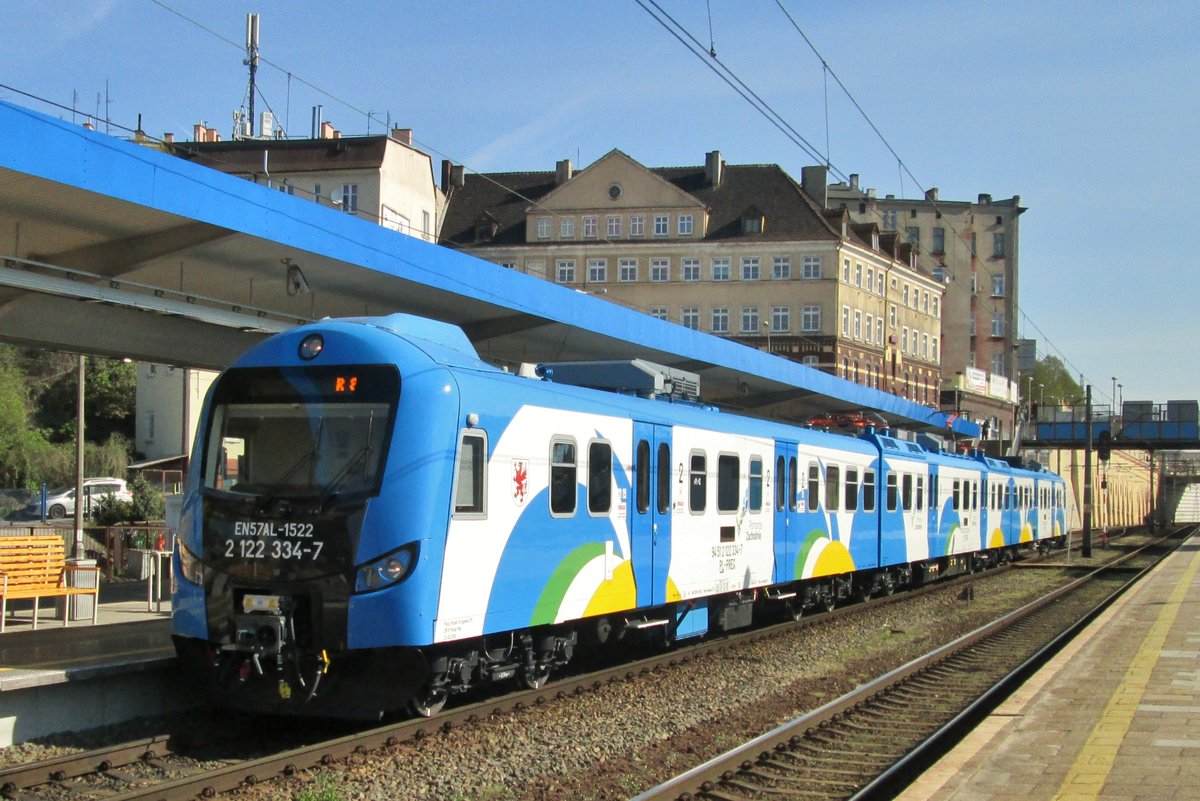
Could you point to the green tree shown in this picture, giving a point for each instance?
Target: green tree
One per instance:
(1052, 382)
(109, 386)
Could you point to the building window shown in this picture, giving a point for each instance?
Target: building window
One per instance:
(858, 275)
(543, 228)
(891, 315)
(597, 271)
(720, 320)
(637, 225)
(810, 319)
(685, 224)
(857, 324)
(690, 317)
(939, 240)
(566, 228)
(998, 286)
(720, 269)
(889, 220)
(998, 364)
(904, 297)
(660, 270)
(925, 302)
(660, 225)
(627, 270)
(845, 321)
(751, 270)
(658, 312)
(350, 198)
(997, 244)
(879, 330)
(971, 324)
(845, 271)
(590, 227)
(810, 361)
(812, 267)
(317, 194)
(933, 349)
(870, 280)
(612, 226)
(914, 235)
(924, 346)
(565, 271)
(691, 269)
(998, 325)
(781, 268)
(904, 340)
(936, 310)
(869, 330)
(781, 318)
(749, 319)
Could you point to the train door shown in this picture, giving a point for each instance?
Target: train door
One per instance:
(786, 487)
(650, 520)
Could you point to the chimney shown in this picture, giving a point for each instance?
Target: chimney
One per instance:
(563, 172)
(814, 182)
(457, 176)
(199, 133)
(169, 138)
(403, 135)
(713, 168)
(984, 199)
(931, 193)
(447, 164)
(327, 131)
(854, 181)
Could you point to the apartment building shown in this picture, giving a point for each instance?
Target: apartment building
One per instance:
(739, 251)
(972, 248)
(383, 179)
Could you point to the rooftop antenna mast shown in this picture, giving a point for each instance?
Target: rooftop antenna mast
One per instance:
(252, 60)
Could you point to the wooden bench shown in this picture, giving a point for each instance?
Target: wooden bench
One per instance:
(36, 567)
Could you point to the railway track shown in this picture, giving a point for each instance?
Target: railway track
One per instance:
(869, 743)
(165, 768)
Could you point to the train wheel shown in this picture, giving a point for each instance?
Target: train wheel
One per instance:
(427, 703)
(536, 678)
(829, 601)
(795, 609)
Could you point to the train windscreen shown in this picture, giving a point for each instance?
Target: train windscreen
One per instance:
(300, 432)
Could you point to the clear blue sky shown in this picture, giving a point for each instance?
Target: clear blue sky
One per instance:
(1088, 111)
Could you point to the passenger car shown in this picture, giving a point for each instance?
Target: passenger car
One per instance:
(60, 502)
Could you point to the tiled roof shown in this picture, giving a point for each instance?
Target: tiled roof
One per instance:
(790, 215)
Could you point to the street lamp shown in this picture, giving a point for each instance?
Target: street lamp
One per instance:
(767, 327)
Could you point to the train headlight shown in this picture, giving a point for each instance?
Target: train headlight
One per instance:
(190, 566)
(387, 570)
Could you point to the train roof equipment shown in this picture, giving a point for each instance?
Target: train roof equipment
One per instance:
(627, 376)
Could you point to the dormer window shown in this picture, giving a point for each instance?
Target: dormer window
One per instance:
(753, 221)
(486, 227)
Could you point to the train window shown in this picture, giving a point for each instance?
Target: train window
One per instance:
(728, 472)
(814, 486)
(906, 492)
(920, 493)
(833, 481)
(933, 491)
(1007, 497)
(957, 497)
(562, 477)
(780, 483)
(599, 478)
(469, 488)
(891, 492)
(756, 483)
(868, 485)
(793, 484)
(664, 478)
(698, 489)
(851, 489)
(642, 474)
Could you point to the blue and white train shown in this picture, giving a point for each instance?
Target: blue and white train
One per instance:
(377, 518)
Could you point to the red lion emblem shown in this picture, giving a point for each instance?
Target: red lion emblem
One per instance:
(520, 481)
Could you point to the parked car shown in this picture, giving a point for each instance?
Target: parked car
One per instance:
(60, 502)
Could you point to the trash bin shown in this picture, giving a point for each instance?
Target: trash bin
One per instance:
(80, 606)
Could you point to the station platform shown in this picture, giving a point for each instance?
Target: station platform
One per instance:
(1114, 716)
(132, 633)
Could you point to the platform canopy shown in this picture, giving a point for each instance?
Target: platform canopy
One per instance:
(118, 249)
